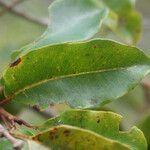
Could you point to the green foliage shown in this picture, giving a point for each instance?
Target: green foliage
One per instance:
(128, 20)
(5, 144)
(71, 20)
(144, 126)
(64, 66)
(67, 72)
(19, 35)
(99, 129)
(59, 136)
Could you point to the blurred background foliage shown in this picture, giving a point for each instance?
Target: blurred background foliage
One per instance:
(21, 22)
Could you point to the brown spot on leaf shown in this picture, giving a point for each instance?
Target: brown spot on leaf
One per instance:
(98, 121)
(51, 104)
(66, 132)
(34, 138)
(38, 136)
(36, 107)
(15, 63)
(94, 46)
(53, 133)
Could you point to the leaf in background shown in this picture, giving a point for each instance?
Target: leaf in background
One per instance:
(5, 144)
(130, 27)
(71, 20)
(80, 74)
(13, 35)
(129, 20)
(99, 129)
(144, 125)
(120, 7)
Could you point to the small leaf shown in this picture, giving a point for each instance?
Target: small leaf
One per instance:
(129, 20)
(80, 74)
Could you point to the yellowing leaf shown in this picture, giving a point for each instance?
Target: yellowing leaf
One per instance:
(85, 129)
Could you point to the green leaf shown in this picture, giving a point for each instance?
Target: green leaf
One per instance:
(72, 138)
(130, 27)
(103, 123)
(80, 74)
(128, 19)
(144, 126)
(85, 129)
(71, 20)
(5, 144)
(18, 30)
(120, 7)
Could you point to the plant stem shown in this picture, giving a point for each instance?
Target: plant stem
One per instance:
(11, 9)
(17, 144)
(10, 120)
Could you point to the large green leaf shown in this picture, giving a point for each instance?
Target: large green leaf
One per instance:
(72, 138)
(87, 130)
(103, 123)
(128, 19)
(80, 74)
(71, 20)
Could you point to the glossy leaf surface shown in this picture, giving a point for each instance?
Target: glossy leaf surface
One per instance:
(80, 74)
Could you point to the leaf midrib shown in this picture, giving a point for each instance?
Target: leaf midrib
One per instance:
(68, 76)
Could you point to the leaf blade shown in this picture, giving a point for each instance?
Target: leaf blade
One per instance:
(99, 129)
(71, 20)
(64, 67)
(129, 20)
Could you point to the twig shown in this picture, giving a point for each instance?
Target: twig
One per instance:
(21, 14)
(17, 144)
(48, 113)
(9, 7)
(10, 120)
(1, 91)
(5, 101)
